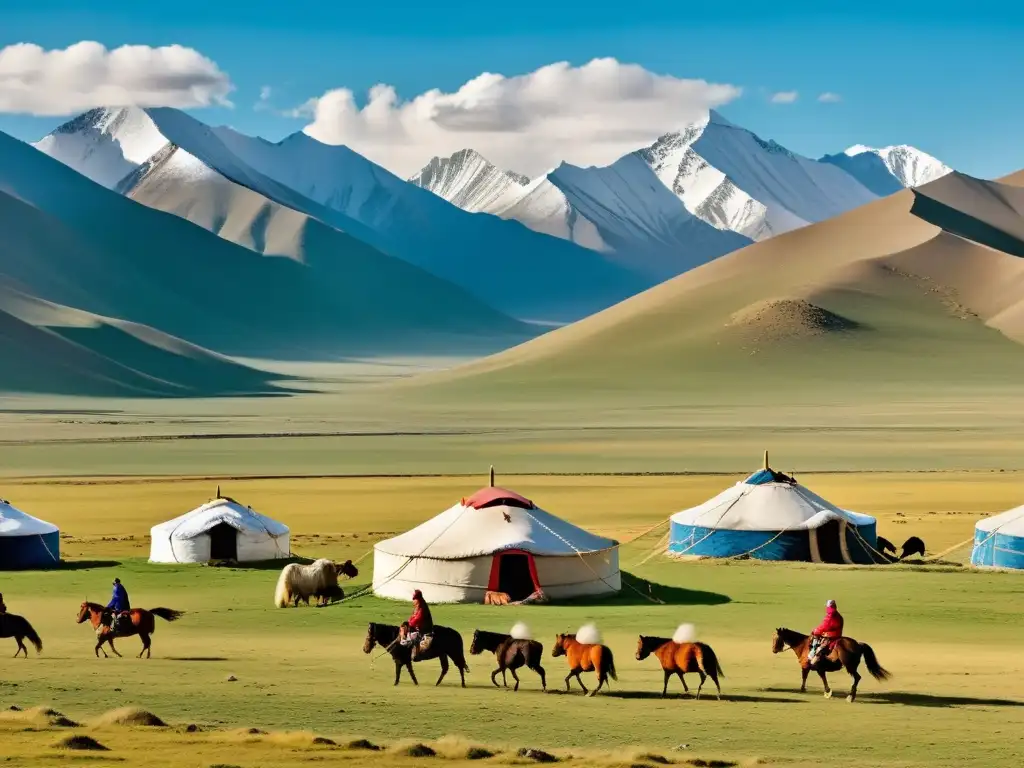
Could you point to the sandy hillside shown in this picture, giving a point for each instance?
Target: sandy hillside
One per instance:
(875, 299)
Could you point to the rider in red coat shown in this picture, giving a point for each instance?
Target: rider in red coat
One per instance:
(421, 623)
(828, 632)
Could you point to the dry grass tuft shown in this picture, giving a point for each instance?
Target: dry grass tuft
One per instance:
(131, 717)
(80, 741)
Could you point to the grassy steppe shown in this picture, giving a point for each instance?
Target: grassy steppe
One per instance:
(950, 635)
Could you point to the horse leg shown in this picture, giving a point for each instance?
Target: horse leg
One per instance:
(515, 677)
(494, 676)
(444, 668)
(824, 681)
(682, 679)
(579, 680)
(398, 671)
(602, 678)
(21, 647)
(145, 645)
(703, 677)
(804, 672)
(664, 688)
(851, 667)
(408, 665)
(714, 678)
(543, 677)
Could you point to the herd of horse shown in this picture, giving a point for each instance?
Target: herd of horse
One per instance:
(676, 658)
(319, 580)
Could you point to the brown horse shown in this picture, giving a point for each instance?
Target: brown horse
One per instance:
(680, 658)
(511, 654)
(19, 628)
(846, 654)
(138, 622)
(446, 644)
(584, 657)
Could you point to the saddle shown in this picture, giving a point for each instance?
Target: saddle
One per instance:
(822, 648)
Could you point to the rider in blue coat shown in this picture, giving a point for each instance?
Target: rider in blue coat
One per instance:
(118, 604)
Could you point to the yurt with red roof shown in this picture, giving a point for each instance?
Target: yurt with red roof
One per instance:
(495, 546)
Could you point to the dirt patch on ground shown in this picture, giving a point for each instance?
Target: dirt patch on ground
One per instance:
(779, 320)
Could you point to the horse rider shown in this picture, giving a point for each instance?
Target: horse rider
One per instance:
(419, 626)
(827, 634)
(119, 604)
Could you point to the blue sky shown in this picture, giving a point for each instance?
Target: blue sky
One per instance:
(941, 76)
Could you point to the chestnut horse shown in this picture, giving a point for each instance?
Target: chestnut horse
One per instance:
(847, 654)
(680, 658)
(446, 644)
(583, 657)
(139, 622)
(511, 654)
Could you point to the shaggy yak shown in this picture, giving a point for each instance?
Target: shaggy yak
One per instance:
(319, 580)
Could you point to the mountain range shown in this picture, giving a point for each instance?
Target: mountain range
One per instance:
(916, 295)
(157, 244)
(706, 189)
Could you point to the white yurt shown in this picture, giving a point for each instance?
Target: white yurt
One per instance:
(221, 529)
(770, 516)
(999, 540)
(26, 542)
(495, 546)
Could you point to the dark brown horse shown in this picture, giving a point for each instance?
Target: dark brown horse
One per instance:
(680, 658)
(446, 645)
(511, 654)
(584, 657)
(19, 628)
(846, 654)
(139, 622)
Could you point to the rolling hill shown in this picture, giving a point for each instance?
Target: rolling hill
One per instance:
(321, 294)
(51, 349)
(909, 296)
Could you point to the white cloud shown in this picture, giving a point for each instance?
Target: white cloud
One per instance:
(785, 97)
(86, 75)
(828, 97)
(591, 114)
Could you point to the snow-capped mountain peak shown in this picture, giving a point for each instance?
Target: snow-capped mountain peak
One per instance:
(105, 144)
(909, 165)
(468, 180)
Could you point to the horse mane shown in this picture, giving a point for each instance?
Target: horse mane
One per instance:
(95, 606)
(651, 643)
(491, 638)
(784, 631)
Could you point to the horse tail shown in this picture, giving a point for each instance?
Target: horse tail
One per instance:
(708, 660)
(33, 638)
(877, 670)
(167, 614)
(608, 663)
(283, 591)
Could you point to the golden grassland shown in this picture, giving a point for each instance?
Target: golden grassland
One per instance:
(950, 635)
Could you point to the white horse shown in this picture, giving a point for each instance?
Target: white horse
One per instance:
(318, 579)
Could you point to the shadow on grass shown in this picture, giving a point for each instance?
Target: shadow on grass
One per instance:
(636, 591)
(258, 565)
(908, 699)
(930, 700)
(196, 658)
(85, 565)
(705, 696)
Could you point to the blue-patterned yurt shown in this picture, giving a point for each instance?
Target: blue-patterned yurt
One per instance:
(999, 540)
(770, 516)
(26, 542)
